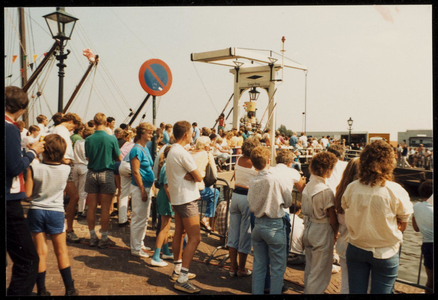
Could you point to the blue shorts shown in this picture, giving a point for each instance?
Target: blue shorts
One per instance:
(50, 222)
(427, 249)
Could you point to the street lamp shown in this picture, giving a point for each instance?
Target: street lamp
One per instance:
(350, 123)
(253, 94)
(61, 25)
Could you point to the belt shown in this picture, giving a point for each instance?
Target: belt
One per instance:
(241, 191)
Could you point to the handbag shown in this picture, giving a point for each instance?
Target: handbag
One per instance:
(210, 178)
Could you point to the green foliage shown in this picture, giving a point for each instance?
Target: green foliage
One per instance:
(283, 129)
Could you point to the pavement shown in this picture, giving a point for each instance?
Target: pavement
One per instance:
(114, 271)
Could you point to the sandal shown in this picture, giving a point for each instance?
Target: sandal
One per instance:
(205, 224)
(233, 273)
(247, 273)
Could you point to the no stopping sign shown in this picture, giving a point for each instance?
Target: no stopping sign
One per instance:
(155, 77)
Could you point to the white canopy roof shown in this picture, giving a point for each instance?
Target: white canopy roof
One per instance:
(226, 57)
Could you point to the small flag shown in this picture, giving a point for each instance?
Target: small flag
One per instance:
(45, 53)
(14, 57)
(31, 66)
(22, 74)
(34, 58)
(24, 57)
(9, 76)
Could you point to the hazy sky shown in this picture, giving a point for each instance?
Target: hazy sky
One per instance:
(370, 63)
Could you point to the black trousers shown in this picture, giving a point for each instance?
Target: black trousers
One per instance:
(21, 250)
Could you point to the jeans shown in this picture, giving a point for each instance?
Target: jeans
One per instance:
(383, 271)
(269, 244)
(287, 228)
(21, 250)
(210, 194)
(239, 231)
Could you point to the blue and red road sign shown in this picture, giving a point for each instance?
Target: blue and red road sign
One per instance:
(155, 77)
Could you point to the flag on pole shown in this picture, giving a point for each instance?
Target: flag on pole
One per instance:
(22, 74)
(45, 53)
(34, 58)
(24, 57)
(14, 57)
(31, 66)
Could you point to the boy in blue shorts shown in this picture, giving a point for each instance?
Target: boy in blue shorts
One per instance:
(45, 184)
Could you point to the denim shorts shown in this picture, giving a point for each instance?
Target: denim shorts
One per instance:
(427, 249)
(100, 182)
(50, 222)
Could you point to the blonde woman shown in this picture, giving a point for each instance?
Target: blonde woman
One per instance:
(202, 158)
(142, 181)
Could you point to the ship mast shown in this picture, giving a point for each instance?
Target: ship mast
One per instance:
(23, 60)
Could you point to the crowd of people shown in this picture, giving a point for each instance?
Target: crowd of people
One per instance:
(354, 208)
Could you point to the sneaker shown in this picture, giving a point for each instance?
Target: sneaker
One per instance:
(106, 244)
(72, 237)
(139, 253)
(165, 256)
(123, 224)
(144, 248)
(94, 241)
(158, 263)
(71, 291)
(186, 287)
(43, 292)
(175, 276)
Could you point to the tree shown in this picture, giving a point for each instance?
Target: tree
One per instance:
(283, 129)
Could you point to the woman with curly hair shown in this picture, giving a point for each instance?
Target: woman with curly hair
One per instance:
(320, 224)
(239, 232)
(376, 213)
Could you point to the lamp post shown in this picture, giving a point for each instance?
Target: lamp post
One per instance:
(350, 123)
(253, 94)
(61, 25)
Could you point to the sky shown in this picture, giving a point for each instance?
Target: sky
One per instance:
(370, 63)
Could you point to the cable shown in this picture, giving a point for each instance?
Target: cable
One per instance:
(205, 88)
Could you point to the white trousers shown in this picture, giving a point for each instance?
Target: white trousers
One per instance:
(139, 217)
(125, 192)
(79, 176)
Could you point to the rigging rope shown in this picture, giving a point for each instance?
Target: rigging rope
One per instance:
(132, 32)
(16, 33)
(91, 89)
(205, 88)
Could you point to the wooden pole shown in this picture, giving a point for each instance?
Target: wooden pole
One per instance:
(78, 87)
(23, 60)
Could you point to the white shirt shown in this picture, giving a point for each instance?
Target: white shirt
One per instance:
(289, 175)
(65, 134)
(28, 140)
(49, 182)
(303, 140)
(371, 215)
(297, 234)
(179, 163)
(324, 142)
(79, 152)
(268, 195)
(43, 130)
(336, 176)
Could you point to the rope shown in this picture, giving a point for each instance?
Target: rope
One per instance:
(132, 32)
(91, 89)
(205, 88)
(16, 33)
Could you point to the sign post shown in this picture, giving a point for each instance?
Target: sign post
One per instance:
(156, 79)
